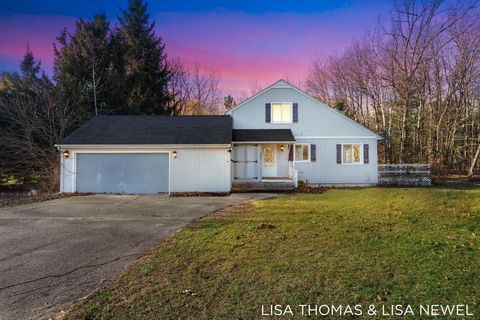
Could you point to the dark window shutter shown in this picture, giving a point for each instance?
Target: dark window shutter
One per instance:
(365, 153)
(268, 113)
(290, 153)
(339, 154)
(313, 152)
(295, 112)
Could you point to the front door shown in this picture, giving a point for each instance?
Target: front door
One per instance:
(269, 160)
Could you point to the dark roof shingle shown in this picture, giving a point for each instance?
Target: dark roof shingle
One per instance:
(262, 135)
(152, 130)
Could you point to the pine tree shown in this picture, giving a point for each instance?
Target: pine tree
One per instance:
(87, 68)
(342, 106)
(229, 102)
(146, 67)
(29, 66)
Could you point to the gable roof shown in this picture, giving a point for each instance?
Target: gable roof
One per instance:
(279, 84)
(285, 84)
(258, 135)
(131, 130)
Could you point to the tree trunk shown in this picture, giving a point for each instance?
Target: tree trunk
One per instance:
(94, 84)
(474, 160)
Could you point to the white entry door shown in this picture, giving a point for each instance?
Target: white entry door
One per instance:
(269, 160)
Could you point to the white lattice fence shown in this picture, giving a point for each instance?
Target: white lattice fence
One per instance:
(405, 175)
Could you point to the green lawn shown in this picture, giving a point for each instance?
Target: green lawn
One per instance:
(379, 246)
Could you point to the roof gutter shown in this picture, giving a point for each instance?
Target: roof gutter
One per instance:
(140, 146)
(262, 142)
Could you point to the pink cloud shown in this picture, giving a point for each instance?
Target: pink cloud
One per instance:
(261, 48)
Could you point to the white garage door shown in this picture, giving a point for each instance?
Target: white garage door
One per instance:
(122, 172)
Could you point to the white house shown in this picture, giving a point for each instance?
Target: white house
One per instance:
(280, 135)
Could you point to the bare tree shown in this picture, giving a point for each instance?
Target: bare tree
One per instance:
(194, 90)
(32, 122)
(255, 87)
(414, 80)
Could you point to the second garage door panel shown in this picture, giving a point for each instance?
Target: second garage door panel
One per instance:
(122, 172)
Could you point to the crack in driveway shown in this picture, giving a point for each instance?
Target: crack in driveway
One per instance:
(131, 200)
(19, 254)
(68, 272)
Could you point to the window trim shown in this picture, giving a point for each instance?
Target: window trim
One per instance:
(271, 112)
(295, 153)
(361, 162)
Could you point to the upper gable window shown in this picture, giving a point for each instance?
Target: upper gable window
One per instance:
(281, 112)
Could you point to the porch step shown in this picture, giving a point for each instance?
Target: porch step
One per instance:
(248, 186)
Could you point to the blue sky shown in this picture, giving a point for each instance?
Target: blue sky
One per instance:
(90, 7)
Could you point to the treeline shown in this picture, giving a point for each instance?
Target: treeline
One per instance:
(98, 69)
(415, 80)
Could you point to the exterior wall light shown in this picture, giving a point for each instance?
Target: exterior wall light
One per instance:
(282, 147)
(66, 153)
(230, 149)
(174, 154)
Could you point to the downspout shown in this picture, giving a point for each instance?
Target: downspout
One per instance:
(295, 173)
(259, 163)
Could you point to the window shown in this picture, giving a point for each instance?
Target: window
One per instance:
(281, 113)
(352, 153)
(302, 152)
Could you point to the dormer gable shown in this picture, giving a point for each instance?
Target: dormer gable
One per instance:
(282, 105)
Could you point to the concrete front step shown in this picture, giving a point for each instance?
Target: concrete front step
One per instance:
(249, 186)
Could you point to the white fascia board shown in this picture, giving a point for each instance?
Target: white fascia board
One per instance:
(336, 137)
(229, 112)
(141, 146)
(262, 142)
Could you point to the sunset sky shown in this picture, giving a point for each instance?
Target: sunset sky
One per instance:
(245, 41)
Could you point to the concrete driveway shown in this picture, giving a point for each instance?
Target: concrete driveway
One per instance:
(54, 252)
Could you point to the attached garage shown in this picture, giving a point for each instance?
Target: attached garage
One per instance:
(148, 155)
(123, 172)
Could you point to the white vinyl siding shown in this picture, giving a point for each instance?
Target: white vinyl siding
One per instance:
(326, 170)
(201, 170)
(314, 118)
